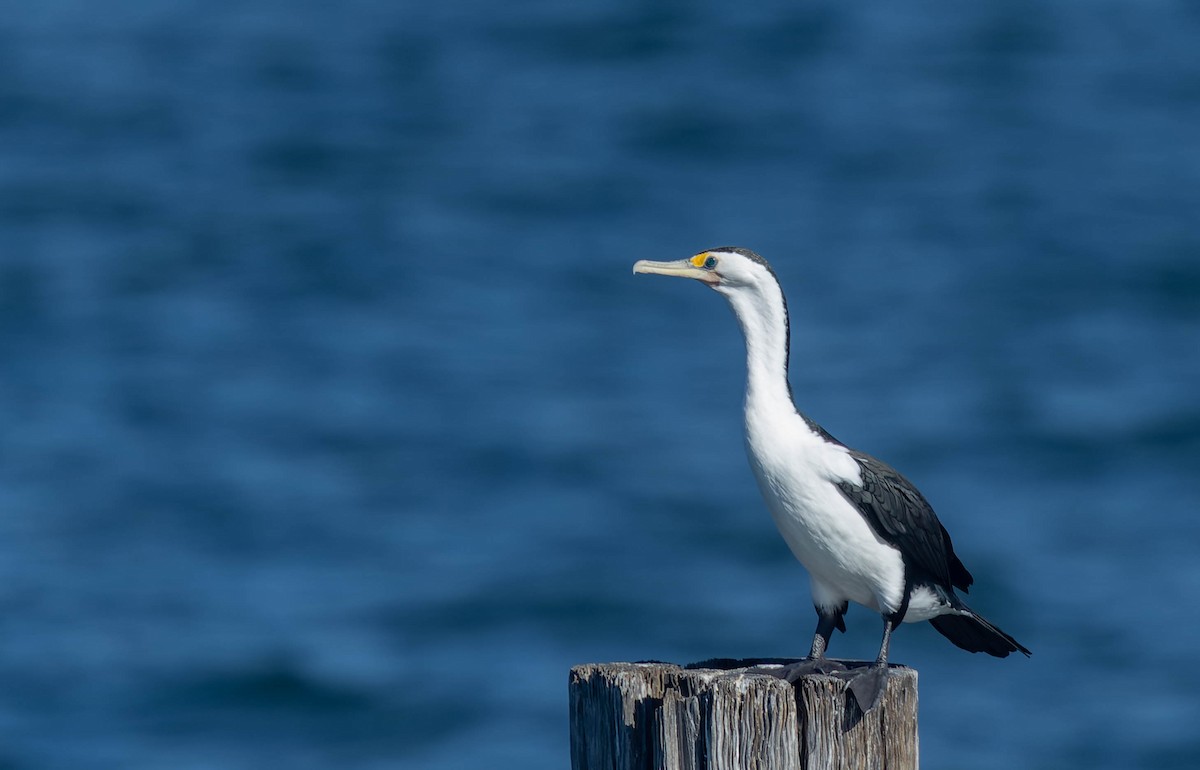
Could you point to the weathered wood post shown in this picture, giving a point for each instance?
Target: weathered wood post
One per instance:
(722, 715)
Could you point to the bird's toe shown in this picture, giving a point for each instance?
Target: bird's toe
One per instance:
(868, 687)
(793, 672)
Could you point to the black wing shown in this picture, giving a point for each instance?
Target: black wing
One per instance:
(901, 516)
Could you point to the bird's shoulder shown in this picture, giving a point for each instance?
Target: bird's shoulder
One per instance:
(901, 516)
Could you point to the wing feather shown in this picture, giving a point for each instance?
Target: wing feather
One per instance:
(902, 516)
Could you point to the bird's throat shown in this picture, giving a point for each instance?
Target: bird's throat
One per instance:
(764, 321)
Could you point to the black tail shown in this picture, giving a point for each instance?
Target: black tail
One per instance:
(974, 634)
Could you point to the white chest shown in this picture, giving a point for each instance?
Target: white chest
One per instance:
(798, 473)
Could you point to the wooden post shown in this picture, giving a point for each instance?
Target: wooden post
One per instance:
(720, 715)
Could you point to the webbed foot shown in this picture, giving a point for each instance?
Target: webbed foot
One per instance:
(868, 686)
(792, 672)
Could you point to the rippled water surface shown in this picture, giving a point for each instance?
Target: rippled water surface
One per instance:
(337, 428)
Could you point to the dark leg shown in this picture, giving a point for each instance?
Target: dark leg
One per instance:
(881, 659)
(816, 662)
(826, 622)
(868, 686)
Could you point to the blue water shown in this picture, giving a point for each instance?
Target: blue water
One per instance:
(336, 428)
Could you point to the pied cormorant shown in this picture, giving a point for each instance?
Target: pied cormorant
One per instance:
(862, 531)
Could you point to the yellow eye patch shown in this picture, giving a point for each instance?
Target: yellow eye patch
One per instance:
(699, 259)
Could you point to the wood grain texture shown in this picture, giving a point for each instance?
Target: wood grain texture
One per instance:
(726, 716)
(836, 734)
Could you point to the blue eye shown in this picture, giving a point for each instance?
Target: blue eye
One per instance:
(710, 263)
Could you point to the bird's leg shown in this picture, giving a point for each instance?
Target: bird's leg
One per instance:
(826, 622)
(869, 685)
(816, 662)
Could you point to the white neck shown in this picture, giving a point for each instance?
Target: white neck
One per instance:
(762, 314)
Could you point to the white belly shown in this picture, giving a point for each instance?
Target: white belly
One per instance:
(797, 473)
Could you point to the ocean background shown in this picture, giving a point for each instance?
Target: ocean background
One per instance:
(336, 427)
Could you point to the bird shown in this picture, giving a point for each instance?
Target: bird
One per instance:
(862, 531)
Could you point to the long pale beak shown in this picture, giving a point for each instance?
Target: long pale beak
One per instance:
(681, 268)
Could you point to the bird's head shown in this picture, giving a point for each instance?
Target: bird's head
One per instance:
(729, 269)
(753, 291)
